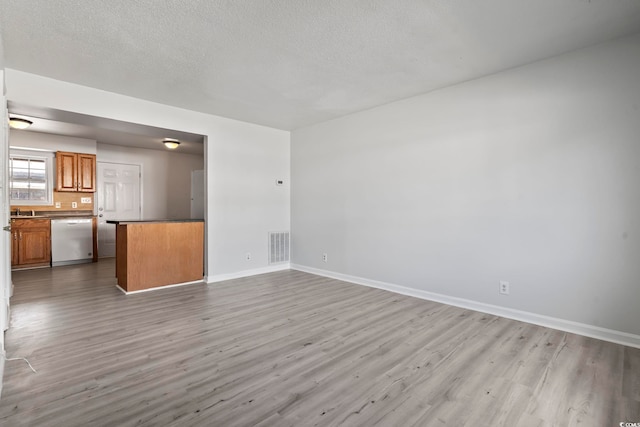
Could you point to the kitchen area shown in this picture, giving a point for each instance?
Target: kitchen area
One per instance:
(62, 233)
(68, 180)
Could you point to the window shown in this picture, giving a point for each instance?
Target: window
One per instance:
(30, 177)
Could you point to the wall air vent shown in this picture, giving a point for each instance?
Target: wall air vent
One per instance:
(278, 247)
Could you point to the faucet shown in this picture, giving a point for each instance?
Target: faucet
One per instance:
(17, 211)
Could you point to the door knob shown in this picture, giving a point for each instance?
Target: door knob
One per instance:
(100, 215)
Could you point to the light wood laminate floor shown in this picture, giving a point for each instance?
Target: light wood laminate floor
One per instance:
(293, 349)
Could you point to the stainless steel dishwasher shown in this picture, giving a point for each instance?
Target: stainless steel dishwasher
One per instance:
(71, 241)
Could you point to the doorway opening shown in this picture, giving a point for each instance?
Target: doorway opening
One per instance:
(134, 150)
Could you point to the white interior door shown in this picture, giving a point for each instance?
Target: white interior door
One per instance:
(5, 241)
(118, 197)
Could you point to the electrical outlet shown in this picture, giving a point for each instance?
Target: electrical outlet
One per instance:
(324, 257)
(504, 287)
(74, 205)
(248, 256)
(85, 200)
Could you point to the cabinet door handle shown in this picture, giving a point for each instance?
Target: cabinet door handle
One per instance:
(20, 233)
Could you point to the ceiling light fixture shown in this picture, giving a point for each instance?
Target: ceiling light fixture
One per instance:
(171, 143)
(18, 123)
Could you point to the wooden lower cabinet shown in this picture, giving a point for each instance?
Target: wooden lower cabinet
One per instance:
(30, 243)
(15, 248)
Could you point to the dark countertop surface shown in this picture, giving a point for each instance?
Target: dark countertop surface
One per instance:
(53, 214)
(143, 221)
(51, 217)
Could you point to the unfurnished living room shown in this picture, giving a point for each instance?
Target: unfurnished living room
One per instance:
(320, 213)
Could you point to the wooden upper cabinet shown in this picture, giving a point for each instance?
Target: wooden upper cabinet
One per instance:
(66, 171)
(87, 173)
(75, 172)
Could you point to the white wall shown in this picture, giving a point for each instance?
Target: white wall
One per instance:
(530, 176)
(242, 162)
(5, 245)
(50, 142)
(166, 178)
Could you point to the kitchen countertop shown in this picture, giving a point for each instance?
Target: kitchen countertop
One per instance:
(51, 217)
(29, 217)
(150, 221)
(57, 214)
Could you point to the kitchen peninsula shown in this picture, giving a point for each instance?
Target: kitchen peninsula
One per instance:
(156, 253)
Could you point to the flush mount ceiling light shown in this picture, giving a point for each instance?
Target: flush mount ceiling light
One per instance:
(18, 123)
(171, 143)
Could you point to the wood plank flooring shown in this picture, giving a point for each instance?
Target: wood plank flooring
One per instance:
(293, 349)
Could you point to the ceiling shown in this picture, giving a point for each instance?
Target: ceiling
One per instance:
(292, 63)
(105, 131)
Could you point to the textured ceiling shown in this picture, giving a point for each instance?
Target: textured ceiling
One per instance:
(103, 130)
(290, 63)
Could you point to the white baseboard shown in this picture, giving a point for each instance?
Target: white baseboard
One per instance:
(597, 332)
(159, 287)
(247, 273)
